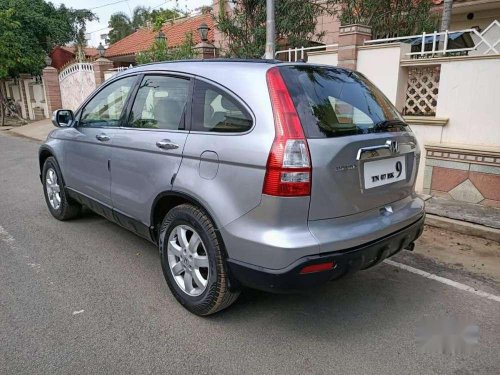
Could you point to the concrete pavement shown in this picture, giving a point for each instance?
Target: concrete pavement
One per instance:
(462, 217)
(36, 130)
(87, 296)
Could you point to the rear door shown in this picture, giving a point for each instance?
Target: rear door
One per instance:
(147, 150)
(363, 155)
(223, 167)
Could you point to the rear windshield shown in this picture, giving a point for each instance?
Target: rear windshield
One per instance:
(333, 102)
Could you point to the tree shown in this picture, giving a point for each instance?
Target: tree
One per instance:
(446, 18)
(185, 50)
(159, 51)
(37, 27)
(122, 25)
(79, 19)
(389, 17)
(166, 14)
(11, 52)
(140, 16)
(295, 22)
(28, 31)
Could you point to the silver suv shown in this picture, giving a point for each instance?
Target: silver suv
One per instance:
(245, 173)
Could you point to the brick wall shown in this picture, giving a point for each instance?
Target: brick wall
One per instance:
(52, 89)
(351, 37)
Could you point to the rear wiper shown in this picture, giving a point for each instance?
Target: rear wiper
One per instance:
(386, 124)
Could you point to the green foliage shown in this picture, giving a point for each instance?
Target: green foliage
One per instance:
(122, 25)
(185, 50)
(11, 52)
(159, 51)
(140, 16)
(158, 24)
(79, 18)
(295, 22)
(165, 14)
(30, 28)
(389, 17)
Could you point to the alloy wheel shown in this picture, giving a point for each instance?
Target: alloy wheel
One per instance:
(188, 260)
(53, 189)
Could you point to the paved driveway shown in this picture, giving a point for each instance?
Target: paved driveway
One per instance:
(87, 296)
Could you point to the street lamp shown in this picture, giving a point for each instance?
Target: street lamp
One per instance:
(48, 60)
(160, 37)
(203, 31)
(101, 50)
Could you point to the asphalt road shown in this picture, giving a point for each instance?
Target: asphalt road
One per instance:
(50, 271)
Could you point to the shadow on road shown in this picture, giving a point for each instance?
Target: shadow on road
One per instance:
(88, 215)
(374, 300)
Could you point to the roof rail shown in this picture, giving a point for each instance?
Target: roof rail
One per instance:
(258, 61)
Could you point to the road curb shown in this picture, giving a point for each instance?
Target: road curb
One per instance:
(463, 227)
(27, 137)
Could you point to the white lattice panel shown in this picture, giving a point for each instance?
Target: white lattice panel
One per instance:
(487, 42)
(422, 91)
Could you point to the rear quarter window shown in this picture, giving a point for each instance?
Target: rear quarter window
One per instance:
(333, 102)
(215, 110)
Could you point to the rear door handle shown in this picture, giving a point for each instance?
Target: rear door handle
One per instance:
(166, 144)
(102, 137)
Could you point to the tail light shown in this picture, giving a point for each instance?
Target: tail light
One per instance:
(288, 172)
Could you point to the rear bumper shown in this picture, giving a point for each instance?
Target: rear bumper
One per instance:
(277, 233)
(345, 261)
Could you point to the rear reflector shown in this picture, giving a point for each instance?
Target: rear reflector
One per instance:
(317, 267)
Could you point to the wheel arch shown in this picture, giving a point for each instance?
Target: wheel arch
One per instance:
(44, 153)
(167, 200)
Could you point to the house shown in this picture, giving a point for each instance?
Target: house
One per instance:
(61, 55)
(123, 52)
(447, 92)
(468, 14)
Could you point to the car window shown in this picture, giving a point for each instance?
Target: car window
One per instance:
(160, 103)
(333, 102)
(216, 111)
(106, 107)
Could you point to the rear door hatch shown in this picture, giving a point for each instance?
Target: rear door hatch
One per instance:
(363, 155)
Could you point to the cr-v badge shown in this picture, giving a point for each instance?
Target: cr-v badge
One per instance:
(341, 168)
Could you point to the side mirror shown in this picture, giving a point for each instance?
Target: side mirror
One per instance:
(62, 118)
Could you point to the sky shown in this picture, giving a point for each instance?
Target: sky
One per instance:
(105, 8)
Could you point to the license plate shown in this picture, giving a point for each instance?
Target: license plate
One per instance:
(383, 172)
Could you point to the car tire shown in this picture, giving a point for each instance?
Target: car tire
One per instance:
(213, 293)
(60, 205)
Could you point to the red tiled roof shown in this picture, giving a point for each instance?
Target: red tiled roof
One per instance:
(143, 38)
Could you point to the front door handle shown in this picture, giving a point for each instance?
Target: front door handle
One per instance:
(166, 144)
(102, 137)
